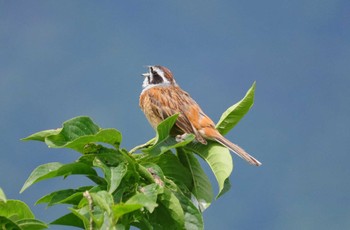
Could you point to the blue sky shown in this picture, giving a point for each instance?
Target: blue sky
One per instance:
(61, 59)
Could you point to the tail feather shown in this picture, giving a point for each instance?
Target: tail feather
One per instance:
(238, 150)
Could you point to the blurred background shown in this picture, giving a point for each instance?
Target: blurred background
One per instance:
(61, 59)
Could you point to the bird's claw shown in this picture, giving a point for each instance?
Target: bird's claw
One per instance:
(182, 137)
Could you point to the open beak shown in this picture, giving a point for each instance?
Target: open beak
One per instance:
(149, 73)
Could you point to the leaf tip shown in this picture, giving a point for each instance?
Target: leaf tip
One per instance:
(22, 189)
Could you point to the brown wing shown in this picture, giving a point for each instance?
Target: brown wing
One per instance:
(167, 101)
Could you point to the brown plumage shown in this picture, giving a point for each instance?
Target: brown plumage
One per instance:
(162, 97)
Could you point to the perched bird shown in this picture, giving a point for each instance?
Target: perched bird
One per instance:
(162, 97)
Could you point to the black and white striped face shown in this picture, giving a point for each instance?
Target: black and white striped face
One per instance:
(157, 76)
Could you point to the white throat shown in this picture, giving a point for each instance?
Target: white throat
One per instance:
(146, 85)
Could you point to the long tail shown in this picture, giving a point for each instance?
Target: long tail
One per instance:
(238, 150)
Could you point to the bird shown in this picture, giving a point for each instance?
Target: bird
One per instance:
(162, 97)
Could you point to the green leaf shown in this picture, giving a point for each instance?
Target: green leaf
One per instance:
(31, 224)
(6, 223)
(110, 157)
(143, 222)
(201, 187)
(66, 196)
(142, 146)
(164, 128)
(72, 129)
(2, 196)
(76, 133)
(15, 210)
(121, 209)
(168, 144)
(56, 197)
(236, 112)
(104, 200)
(226, 187)
(152, 191)
(219, 159)
(63, 140)
(172, 203)
(83, 214)
(40, 136)
(113, 175)
(163, 141)
(15, 214)
(173, 169)
(116, 176)
(55, 169)
(152, 172)
(169, 213)
(161, 219)
(109, 136)
(145, 200)
(69, 219)
(193, 216)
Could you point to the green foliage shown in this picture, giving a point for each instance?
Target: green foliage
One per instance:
(16, 215)
(236, 112)
(157, 185)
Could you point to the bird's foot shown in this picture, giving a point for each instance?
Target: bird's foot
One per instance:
(182, 137)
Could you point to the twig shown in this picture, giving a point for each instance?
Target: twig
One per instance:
(87, 195)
